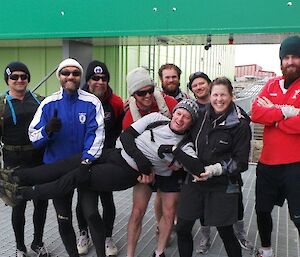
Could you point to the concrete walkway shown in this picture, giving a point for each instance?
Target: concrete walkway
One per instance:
(285, 238)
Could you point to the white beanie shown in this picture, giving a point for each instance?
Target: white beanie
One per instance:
(137, 79)
(67, 63)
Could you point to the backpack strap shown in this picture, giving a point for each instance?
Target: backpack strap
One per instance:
(155, 124)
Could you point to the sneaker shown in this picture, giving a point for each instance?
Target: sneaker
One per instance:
(161, 255)
(84, 242)
(41, 251)
(246, 244)
(204, 246)
(262, 253)
(20, 253)
(110, 247)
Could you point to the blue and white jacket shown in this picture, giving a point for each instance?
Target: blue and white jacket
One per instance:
(82, 130)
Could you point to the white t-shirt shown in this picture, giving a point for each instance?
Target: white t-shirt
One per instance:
(163, 135)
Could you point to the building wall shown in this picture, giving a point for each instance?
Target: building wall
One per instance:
(217, 61)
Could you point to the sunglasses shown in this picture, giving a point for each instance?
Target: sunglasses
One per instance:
(67, 73)
(145, 92)
(16, 77)
(97, 78)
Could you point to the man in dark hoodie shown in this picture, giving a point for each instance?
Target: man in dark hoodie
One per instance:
(97, 82)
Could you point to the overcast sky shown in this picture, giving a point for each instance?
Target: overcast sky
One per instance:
(266, 56)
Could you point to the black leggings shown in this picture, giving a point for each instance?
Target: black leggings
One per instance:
(109, 212)
(39, 218)
(185, 239)
(63, 207)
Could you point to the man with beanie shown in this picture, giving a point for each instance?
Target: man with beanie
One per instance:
(146, 99)
(277, 107)
(70, 121)
(97, 82)
(169, 75)
(18, 107)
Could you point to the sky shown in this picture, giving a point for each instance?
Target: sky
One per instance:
(266, 56)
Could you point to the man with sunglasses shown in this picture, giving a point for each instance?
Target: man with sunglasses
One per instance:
(145, 99)
(18, 107)
(97, 82)
(68, 122)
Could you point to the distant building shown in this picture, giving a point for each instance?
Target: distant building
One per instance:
(252, 70)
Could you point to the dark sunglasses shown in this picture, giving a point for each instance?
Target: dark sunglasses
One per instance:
(97, 78)
(67, 73)
(16, 77)
(145, 92)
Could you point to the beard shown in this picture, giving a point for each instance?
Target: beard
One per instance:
(291, 75)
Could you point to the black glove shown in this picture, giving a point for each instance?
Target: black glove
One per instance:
(82, 174)
(164, 149)
(54, 125)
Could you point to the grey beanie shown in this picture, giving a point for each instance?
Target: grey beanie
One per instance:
(290, 45)
(191, 106)
(137, 79)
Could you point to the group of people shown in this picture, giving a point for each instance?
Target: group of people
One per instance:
(190, 151)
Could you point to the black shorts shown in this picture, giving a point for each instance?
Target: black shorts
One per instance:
(170, 184)
(274, 184)
(212, 207)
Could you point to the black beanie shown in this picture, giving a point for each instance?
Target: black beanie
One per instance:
(290, 45)
(198, 74)
(96, 67)
(15, 66)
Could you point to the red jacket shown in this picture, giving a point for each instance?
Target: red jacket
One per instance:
(281, 137)
(170, 101)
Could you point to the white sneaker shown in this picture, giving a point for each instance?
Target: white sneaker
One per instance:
(204, 245)
(20, 253)
(110, 247)
(84, 242)
(262, 253)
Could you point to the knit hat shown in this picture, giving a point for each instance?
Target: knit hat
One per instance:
(15, 66)
(198, 74)
(290, 45)
(96, 67)
(67, 63)
(137, 79)
(191, 106)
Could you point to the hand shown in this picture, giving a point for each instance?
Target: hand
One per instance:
(202, 177)
(289, 111)
(146, 179)
(214, 169)
(264, 102)
(164, 149)
(54, 125)
(82, 174)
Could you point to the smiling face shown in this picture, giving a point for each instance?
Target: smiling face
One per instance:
(220, 98)
(200, 87)
(69, 78)
(17, 82)
(144, 97)
(181, 120)
(169, 80)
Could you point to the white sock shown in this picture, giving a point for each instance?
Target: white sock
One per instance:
(267, 252)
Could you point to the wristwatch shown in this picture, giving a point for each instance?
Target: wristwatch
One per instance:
(86, 162)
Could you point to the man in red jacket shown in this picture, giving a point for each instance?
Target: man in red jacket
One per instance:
(278, 172)
(146, 99)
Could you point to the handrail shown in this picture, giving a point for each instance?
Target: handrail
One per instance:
(44, 79)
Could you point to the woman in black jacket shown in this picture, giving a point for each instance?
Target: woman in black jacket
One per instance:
(222, 139)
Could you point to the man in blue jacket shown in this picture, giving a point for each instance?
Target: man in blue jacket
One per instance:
(69, 121)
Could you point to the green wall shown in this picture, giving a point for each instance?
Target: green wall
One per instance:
(219, 60)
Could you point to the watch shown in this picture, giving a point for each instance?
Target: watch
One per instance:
(86, 162)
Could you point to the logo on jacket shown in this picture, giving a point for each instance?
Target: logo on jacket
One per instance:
(107, 115)
(297, 91)
(82, 117)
